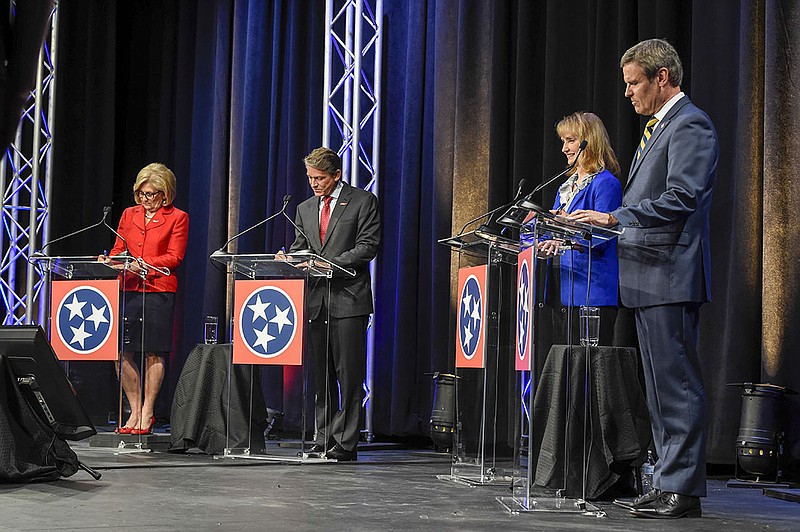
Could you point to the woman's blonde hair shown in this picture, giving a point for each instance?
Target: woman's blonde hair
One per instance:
(598, 153)
(160, 177)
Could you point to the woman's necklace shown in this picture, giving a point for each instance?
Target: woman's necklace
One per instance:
(148, 215)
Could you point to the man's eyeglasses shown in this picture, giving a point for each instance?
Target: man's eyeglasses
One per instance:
(148, 195)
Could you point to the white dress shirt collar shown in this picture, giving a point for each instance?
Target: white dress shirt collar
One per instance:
(667, 106)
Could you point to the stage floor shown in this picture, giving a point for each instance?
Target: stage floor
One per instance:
(388, 489)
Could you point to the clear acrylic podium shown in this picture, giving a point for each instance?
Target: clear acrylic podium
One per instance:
(478, 457)
(534, 224)
(91, 273)
(302, 266)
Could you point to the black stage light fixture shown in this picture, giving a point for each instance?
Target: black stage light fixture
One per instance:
(443, 413)
(759, 444)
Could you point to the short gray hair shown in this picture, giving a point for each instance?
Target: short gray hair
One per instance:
(324, 159)
(653, 55)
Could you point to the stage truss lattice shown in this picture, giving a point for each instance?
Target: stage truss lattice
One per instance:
(352, 111)
(25, 172)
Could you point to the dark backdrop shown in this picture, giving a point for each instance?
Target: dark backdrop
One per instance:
(228, 94)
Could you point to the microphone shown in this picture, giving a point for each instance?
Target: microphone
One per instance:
(286, 200)
(126, 253)
(519, 188)
(98, 224)
(297, 227)
(567, 169)
(503, 206)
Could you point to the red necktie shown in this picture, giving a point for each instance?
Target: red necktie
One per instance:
(324, 217)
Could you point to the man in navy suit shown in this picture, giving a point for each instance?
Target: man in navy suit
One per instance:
(342, 224)
(665, 270)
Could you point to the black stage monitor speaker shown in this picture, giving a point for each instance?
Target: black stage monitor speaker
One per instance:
(44, 382)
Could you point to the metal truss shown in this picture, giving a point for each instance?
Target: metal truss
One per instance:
(352, 110)
(25, 183)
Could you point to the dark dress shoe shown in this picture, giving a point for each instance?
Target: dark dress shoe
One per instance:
(670, 506)
(341, 454)
(639, 501)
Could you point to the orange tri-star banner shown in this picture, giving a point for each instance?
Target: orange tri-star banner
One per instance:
(268, 322)
(525, 300)
(471, 325)
(84, 319)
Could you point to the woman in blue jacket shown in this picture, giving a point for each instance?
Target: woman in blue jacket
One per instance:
(593, 186)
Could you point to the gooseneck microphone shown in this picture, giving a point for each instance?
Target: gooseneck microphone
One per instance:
(126, 253)
(503, 206)
(286, 200)
(297, 227)
(566, 170)
(106, 210)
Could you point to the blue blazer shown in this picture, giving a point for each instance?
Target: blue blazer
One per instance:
(603, 194)
(664, 251)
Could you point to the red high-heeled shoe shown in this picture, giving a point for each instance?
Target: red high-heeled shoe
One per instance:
(145, 431)
(123, 430)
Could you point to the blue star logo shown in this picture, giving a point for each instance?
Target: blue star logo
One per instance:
(523, 309)
(83, 319)
(268, 321)
(469, 316)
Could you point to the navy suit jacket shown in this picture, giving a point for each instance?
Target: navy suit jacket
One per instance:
(351, 241)
(664, 251)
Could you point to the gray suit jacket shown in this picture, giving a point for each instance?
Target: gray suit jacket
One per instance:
(351, 242)
(664, 251)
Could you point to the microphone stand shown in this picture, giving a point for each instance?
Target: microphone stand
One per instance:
(505, 205)
(297, 227)
(40, 254)
(222, 250)
(561, 174)
(125, 253)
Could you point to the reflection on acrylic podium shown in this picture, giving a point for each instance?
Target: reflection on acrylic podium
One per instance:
(481, 454)
(268, 308)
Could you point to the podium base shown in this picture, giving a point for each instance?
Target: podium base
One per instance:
(158, 441)
(474, 481)
(518, 505)
(298, 458)
(757, 484)
(131, 447)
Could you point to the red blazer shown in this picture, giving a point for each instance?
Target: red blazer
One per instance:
(162, 242)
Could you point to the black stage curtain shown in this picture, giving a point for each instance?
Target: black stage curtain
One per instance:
(20, 41)
(228, 94)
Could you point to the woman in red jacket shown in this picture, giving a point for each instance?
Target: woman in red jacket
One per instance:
(155, 233)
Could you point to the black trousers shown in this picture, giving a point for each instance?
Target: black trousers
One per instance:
(338, 351)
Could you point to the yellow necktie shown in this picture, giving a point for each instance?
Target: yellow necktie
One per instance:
(648, 131)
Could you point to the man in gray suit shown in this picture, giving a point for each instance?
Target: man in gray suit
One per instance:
(342, 224)
(664, 268)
